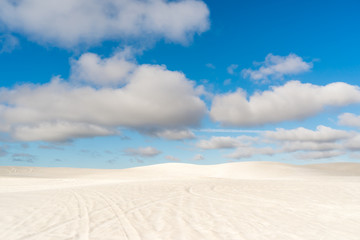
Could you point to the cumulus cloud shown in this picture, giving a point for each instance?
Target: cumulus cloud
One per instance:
(8, 43)
(244, 146)
(292, 101)
(318, 155)
(294, 146)
(227, 130)
(218, 143)
(322, 134)
(349, 119)
(248, 152)
(173, 134)
(353, 144)
(143, 151)
(224, 142)
(58, 131)
(152, 98)
(324, 142)
(277, 67)
(91, 68)
(69, 23)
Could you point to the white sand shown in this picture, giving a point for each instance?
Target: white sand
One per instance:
(235, 201)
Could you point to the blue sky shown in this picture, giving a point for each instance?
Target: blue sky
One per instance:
(120, 83)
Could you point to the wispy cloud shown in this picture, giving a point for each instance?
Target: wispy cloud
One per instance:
(231, 69)
(198, 157)
(225, 142)
(210, 65)
(172, 158)
(142, 151)
(8, 43)
(276, 67)
(318, 155)
(23, 157)
(248, 152)
(51, 147)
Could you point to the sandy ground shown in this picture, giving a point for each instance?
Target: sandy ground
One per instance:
(235, 201)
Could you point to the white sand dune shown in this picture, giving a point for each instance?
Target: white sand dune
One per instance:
(234, 201)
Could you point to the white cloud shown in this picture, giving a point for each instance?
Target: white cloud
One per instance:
(324, 142)
(143, 151)
(322, 134)
(172, 158)
(58, 131)
(231, 69)
(227, 130)
(277, 67)
(221, 143)
(111, 71)
(353, 144)
(174, 134)
(244, 146)
(69, 23)
(292, 101)
(248, 152)
(349, 119)
(294, 146)
(153, 98)
(318, 155)
(8, 43)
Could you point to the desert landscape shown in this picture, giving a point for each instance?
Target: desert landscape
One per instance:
(179, 120)
(232, 201)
